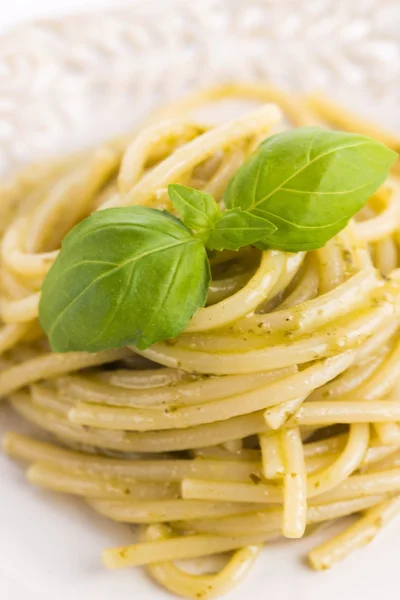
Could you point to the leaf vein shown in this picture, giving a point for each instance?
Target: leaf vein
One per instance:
(108, 273)
(304, 167)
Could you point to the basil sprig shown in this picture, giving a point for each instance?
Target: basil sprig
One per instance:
(134, 276)
(219, 231)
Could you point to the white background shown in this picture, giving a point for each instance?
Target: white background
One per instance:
(13, 12)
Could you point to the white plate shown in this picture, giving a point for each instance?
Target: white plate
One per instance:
(67, 83)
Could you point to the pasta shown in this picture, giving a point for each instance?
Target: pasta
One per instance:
(279, 405)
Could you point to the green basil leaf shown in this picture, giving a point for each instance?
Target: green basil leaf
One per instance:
(309, 182)
(199, 211)
(237, 228)
(124, 276)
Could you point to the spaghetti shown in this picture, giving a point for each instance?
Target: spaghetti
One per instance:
(281, 396)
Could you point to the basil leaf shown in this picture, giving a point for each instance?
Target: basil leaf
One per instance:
(199, 211)
(238, 228)
(309, 182)
(124, 276)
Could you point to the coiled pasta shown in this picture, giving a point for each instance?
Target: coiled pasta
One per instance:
(281, 398)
